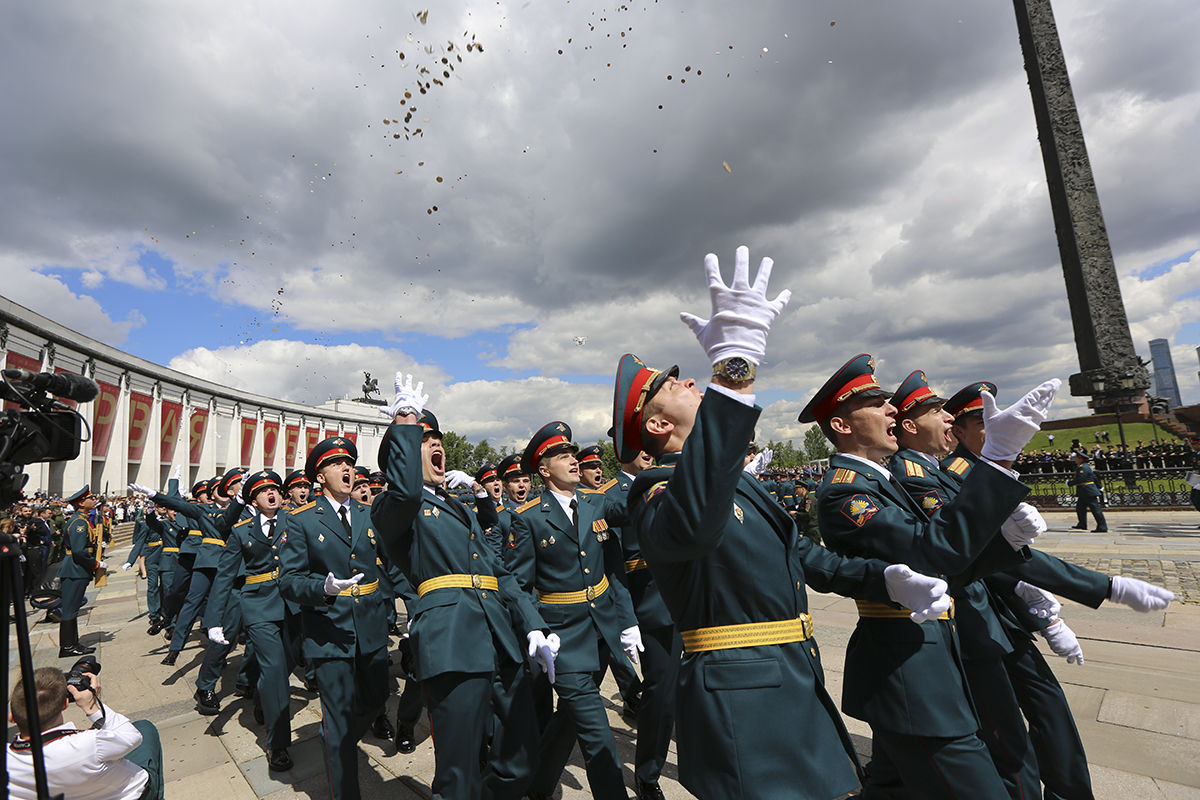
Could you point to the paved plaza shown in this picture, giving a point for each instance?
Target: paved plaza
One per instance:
(1136, 700)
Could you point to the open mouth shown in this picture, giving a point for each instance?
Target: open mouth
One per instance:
(438, 461)
(891, 431)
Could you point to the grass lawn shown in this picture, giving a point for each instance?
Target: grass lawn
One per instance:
(1086, 436)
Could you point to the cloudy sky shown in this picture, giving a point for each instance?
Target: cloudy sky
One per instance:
(261, 194)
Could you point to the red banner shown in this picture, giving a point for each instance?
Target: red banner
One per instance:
(352, 436)
(291, 438)
(196, 426)
(270, 442)
(18, 361)
(103, 416)
(249, 424)
(331, 434)
(59, 371)
(311, 437)
(168, 431)
(140, 407)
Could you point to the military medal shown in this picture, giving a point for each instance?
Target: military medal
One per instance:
(737, 512)
(320, 537)
(543, 544)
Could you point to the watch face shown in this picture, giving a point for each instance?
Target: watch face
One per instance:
(738, 369)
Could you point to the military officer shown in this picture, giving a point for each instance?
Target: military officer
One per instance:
(76, 572)
(754, 719)
(162, 526)
(557, 541)
(330, 566)
(591, 467)
(1087, 494)
(905, 680)
(465, 601)
(517, 484)
(189, 547)
(296, 487)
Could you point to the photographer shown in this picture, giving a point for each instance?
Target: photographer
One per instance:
(113, 760)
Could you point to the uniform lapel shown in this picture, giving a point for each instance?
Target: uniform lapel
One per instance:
(331, 520)
(767, 506)
(557, 517)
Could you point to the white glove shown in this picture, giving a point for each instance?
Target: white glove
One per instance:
(1063, 642)
(741, 313)
(125, 567)
(335, 586)
(406, 395)
(631, 643)
(925, 596)
(456, 478)
(1023, 526)
(1008, 431)
(755, 465)
(767, 455)
(139, 489)
(542, 652)
(217, 636)
(1042, 604)
(102, 565)
(1139, 595)
(177, 474)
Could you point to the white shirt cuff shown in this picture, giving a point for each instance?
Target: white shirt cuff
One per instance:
(1012, 473)
(744, 399)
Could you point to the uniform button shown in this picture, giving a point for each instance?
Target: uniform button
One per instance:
(587, 571)
(472, 537)
(276, 558)
(352, 555)
(474, 555)
(799, 586)
(812, 651)
(593, 605)
(273, 547)
(485, 594)
(583, 552)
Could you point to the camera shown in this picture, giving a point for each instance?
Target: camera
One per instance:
(81, 672)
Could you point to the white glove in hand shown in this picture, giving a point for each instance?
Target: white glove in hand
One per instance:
(1042, 604)
(335, 586)
(125, 567)
(1063, 642)
(139, 489)
(924, 596)
(456, 478)
(631, 643)
(767, 455)
(755, 465)
(542, 652)
(102, 565)
(176, 475)
(406, 395)
(217, 636)
(1139, 595)
(741, 313)
(1023, 526)
(1008, 431)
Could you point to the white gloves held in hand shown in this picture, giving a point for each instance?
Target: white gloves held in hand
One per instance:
(1139, 595)
(335, 586)
(631, 643)
(1023, 526)
(406, 396)
(137, 488)
(542, 652)
(1042, 604)
(741, 313)
(1008, 431)
(1063, 642)
(217, 636)
(456, 478)
(101, 565)
(125, 567)
(925, 596)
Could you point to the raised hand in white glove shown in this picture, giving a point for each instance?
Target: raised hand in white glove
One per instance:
(1042, 604)
(1008, 431)
(456, 478)
(335, 586)
(139, 489)
(406, 396)
(217, 636)
(924, 596)
(767, 455)
(1139, 595)
(126, 566)
(542, 652)
(741, 313)
(177, 474)
(755, 465)
(631, 643)
(1023, 526)
(1063, 642)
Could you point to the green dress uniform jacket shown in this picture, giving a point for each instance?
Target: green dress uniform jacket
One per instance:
(207, 519)
(901, 677)
(1085, 482)
(142, 544)
(753, 722)
(79, 563)
(249, 553)
(647, 601)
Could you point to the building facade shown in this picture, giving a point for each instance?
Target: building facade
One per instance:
(1165, 382)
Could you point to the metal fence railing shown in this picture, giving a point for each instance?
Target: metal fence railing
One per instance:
(1130, 488)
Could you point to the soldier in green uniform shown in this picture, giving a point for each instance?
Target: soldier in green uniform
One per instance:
(557, 541)
(754, 719)
(330, 567)
(907, 681)
(465, 601)
(517, 484)
(163, 528)
(296, 488)
(78, 568)
(1087, 494)
(591, 467)
(185, 558)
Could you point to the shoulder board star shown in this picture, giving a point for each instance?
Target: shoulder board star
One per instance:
(521, 509)
(305, 507)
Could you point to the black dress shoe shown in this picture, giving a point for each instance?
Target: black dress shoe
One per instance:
(279, 760)
(648, 791)
(404, 740)
(382, 727)
(74, 651)
(242, 691)
(83, 649)
(632, 704)
(259, 716)
(1100, 530)
(310, 686)
(207, 702)
(394, 630)
(170, 659)
(1079, 527)
(156, 627)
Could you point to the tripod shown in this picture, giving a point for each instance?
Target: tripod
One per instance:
(12, 596)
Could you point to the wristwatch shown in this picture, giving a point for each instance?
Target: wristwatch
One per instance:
(736, 369)
(405, 411)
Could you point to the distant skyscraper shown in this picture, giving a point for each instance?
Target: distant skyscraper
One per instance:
(1164, 371)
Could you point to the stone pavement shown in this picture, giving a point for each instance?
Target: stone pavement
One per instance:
(1136, 700)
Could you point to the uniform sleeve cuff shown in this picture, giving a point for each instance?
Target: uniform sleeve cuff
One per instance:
(744, 399)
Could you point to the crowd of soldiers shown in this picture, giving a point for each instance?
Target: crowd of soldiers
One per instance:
(690, 567)
(1174, 454)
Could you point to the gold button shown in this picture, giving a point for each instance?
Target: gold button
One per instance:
(352, 555)
(799, 586)
(276, 558)
(593, 605)
(813, 651)
(472, 537)
(474, 555)
(356, 599)
(485, 594)
(273, 547)
(583, 552)
(587, 571)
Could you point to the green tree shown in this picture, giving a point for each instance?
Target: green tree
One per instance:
(608, 454)
(483, 454)
(458, 451)
(816, 446)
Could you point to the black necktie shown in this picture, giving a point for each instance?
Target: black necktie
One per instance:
(574, 513)
(345, 515)
(271, 528)
(455, 506)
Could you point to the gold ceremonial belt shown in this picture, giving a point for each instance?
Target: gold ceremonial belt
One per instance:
(211, 540)
(263, 577)
(570, 598)
(458, 582)
(748, 634)
(68, 552)
(154, 544)
(635, 564)
(1085, 483)
(194, 533)
(881, 611)
(359, 589)
(170, 549)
